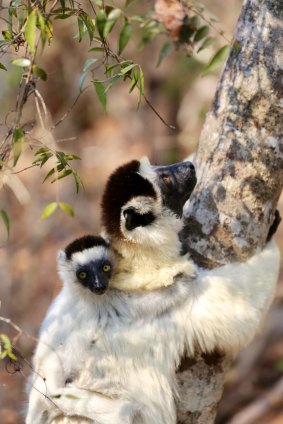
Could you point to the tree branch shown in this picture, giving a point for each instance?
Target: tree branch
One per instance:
(240, 173)
(239, 160)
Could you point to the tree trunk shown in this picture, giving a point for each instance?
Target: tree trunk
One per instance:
(240, 173)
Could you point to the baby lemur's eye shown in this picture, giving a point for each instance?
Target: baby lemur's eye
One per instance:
(82, 275)
(106, 268)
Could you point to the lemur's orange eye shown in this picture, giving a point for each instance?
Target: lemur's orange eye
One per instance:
(166, 179)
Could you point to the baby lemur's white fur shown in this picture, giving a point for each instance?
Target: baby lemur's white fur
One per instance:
(115, 355)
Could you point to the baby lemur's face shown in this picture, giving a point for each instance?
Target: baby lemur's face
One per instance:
(88, 262)
(95, 273)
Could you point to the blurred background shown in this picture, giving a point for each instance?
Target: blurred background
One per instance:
(28, 275)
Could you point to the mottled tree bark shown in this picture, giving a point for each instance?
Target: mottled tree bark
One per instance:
(240, 173)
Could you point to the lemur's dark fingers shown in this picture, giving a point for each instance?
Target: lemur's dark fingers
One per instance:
(274, 225)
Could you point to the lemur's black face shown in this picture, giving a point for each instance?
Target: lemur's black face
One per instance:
(91, 258)
(95, 275)
(176, 183)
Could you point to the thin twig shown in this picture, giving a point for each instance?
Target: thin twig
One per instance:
(70, 108)
(22, 170)
(39, 112)
(156, 113)
(18, 329)
(210, 24)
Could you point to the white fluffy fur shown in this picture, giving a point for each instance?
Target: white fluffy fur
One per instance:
(121, 349)
(155, 247)
(125, 346)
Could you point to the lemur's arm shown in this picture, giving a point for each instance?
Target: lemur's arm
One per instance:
(229, 303)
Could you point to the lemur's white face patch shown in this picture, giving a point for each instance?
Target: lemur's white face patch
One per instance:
(91, 254)
(147, 235)
(143, 205)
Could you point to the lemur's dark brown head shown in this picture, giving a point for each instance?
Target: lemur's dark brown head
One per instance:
(136, 193)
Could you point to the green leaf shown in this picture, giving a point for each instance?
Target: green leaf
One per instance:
(81, 27)
(16, 3)
(98, 3)
(41, 24)
(135, 80)
(78, 180)
(42, 150)
(96, 49)
(166, 49)
(151, 29)
(72, 157)
(45, 158)
(201, 33)
(82, 80)
(128, 68)
(39, 72)
(62, 174)
(61, 156)
(89, 25)
(137, 18)
(115, 65)
(18, 143)
(207, 42)
(216, 60)
(88, 64)
(30, 30)
(3, 67)
(6, 342)
(49, 31)
(49, 173)
(49, 210)
(111, 21)
(141, 81)
(12, 356)
(70, 396)
(7, 36)
(125, 35)
(141, 85)
(21, 18)
(22, 62)
(100, 91)
(101, 19)
(6, 220)
(66, 208)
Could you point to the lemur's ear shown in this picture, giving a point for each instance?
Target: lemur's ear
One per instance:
(61, 257)
(134, 219)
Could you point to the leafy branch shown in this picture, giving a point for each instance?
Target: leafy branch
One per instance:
(28, 30)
